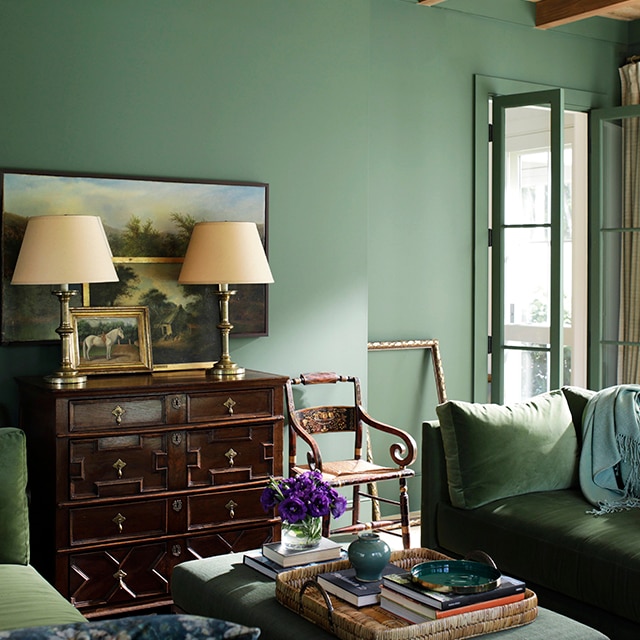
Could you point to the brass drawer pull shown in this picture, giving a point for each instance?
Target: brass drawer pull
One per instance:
(231, 505)
(177, 505)
(230, 455)
(119, 465)
(119, 575)
(119, 520)
(118, 412)
(176, 438)
(230, 403)
(176, 402)
(176, 550)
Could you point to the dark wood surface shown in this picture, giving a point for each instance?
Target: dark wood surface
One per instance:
(131, 475)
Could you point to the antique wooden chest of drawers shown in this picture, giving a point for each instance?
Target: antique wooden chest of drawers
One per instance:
(130, 475)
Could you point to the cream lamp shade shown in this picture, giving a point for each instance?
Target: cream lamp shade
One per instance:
(64, 250)
(225, 253)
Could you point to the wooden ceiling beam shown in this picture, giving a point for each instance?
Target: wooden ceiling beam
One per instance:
(552, 13)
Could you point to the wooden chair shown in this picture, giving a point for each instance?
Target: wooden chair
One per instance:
(311, 422)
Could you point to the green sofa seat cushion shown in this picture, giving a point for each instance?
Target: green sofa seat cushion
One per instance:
(27, 600)
(14, 511)
(549, 539)
(494, 451)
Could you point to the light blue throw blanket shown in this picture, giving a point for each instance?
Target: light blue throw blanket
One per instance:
(610, 456)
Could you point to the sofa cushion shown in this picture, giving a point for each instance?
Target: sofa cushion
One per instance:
(548, 539)
(14, 513)
(494, 451)
(147, 627)
(577, 399)
(27, 599)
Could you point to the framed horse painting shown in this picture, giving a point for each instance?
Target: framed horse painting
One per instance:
(111, 340)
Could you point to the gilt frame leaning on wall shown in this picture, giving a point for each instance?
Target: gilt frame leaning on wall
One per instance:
(111, 340)
(148, 222)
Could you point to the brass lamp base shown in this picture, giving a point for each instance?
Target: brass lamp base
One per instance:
(225, 368)
(65, 379)
(67, 374)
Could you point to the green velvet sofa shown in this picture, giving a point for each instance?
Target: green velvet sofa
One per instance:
(504, 480)
(31, 609)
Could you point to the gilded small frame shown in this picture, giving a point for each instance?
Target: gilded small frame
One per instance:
(111, 340)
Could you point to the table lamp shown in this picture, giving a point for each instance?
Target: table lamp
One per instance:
(62, 250)
(225, 253)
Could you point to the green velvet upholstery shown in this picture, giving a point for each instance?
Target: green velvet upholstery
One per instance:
(549, 538)
(223, 586)
(495, 451)
(584, 566)
(14, 512)
(577, 399)
(28, 600)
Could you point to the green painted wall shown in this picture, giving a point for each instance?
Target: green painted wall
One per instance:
(421, 213)
(358, 113)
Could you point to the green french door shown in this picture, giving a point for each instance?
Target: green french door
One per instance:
(614, 310)
(528, 236)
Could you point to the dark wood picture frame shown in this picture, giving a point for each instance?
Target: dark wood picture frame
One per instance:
(148, 222)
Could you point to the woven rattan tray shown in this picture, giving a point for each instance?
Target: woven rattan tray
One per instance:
(374, 623)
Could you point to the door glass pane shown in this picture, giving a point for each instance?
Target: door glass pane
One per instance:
(526, 286)
(527, 373)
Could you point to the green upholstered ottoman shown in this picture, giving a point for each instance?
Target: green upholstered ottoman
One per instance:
(222, 587)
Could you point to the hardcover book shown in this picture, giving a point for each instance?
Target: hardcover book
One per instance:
(345, 585)
(416, 612)
(326, 550)
(256, 560)
(402, 583)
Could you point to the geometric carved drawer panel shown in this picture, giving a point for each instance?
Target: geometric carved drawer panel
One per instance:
(226, 455)
(118, 521)
(120, 575)
(114, 466)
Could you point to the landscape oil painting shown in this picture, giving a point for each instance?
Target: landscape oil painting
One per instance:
(148, 222)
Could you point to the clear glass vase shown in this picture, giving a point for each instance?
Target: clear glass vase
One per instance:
(305, 534)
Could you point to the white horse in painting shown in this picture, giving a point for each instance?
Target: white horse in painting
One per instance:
(105, 340)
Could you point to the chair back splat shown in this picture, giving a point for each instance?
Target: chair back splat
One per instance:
(307, 423)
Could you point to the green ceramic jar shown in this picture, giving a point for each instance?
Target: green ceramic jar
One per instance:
(369, 555)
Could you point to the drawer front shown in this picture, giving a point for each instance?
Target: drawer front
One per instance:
(207, 407)
(119, 576)
(118, 466)
(112, 413)
(207, 510)
(226, 455)
(227, 541)
(117, 522)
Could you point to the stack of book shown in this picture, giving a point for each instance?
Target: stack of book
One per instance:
(403, 597)
(273, 558)
(344, 584)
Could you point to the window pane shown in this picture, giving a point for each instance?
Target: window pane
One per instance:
(526, 374)
(610, 309)
(526, 285)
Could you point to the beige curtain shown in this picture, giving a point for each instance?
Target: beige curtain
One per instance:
(629, 323)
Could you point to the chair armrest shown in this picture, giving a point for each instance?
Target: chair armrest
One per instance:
(435, 488)
(408, 447)
(314, 457)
